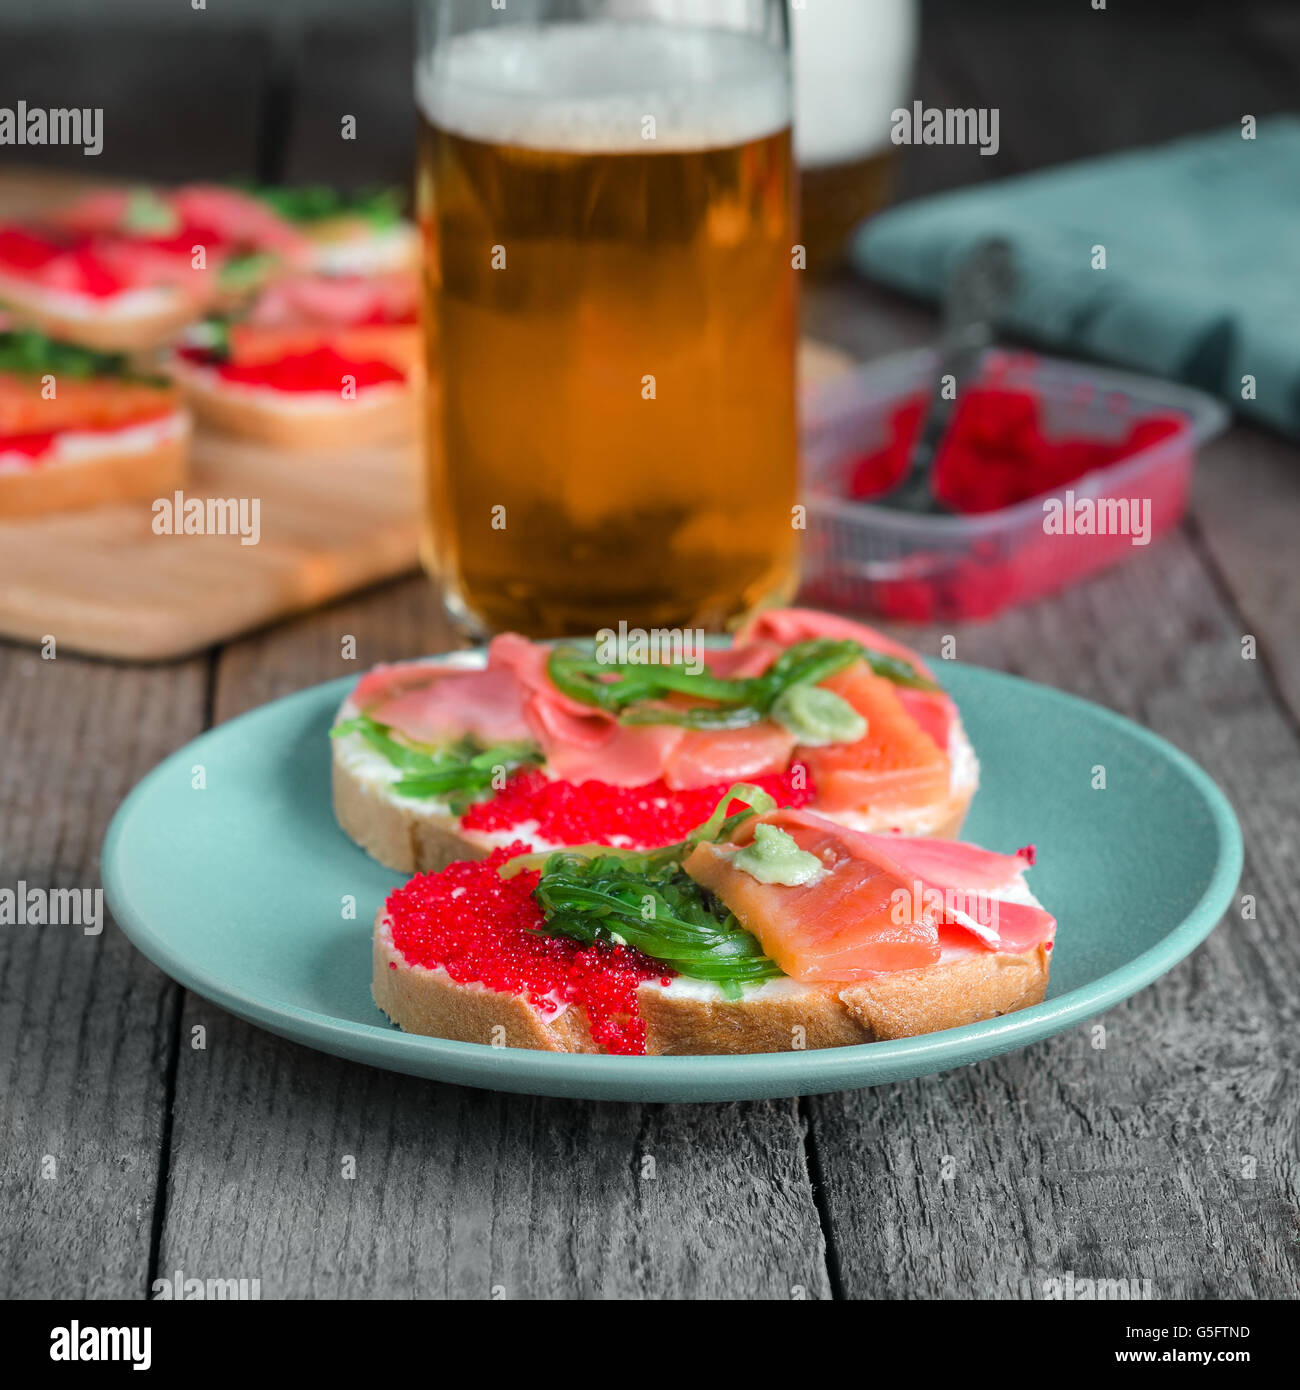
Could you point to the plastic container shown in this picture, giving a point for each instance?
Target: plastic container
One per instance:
(866, 557)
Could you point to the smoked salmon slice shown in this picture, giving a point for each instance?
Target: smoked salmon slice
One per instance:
(94, 403)
(933, 710)
(704, 757)
(896, 765)
(882, 903)
(841, 926)
(448, 704)
(786, 626)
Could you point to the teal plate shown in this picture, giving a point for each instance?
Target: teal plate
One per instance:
(235, 890)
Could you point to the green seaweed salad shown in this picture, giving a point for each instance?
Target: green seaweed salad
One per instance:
(646, 899)
(637, 690)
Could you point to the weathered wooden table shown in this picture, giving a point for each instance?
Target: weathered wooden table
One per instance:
(1169, 1155)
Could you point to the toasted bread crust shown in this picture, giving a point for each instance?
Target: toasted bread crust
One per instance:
(899, 1005)
(117, 477)
(372, 417)
(391, 830)
(411, 841)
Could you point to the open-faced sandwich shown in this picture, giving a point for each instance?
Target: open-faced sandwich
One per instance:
(313, 360)
(563, 745)
(125, 271)
(78, 428)
(763, 930)
(360, 233)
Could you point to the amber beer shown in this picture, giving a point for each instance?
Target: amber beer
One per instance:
(835, 198)
(611, 308)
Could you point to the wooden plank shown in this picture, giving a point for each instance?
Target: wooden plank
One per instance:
(1246, 508)
(326, 523)
(86, 1023)
(1169, 1155)
(458, 1193)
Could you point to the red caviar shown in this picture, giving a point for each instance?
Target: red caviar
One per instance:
(31, 446)
(58, 261)
(322, 369)
(997, 451)
(644, 817)
(485, 929)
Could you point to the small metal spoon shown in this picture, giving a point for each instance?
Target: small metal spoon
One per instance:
(981, 288)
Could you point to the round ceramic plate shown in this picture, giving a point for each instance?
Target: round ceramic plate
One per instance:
(236, 890)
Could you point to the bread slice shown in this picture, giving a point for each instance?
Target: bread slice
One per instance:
(687, 1017)
(308, 421)
(348, 245)
(163, 312)
(112, 473)
(415, 836)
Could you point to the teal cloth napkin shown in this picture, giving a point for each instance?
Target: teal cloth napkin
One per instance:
(1202, 276)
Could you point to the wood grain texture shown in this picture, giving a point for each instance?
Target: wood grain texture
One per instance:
(86, 1022)
(458, 1193)
(469, 1194)
(329, 523)
(1127, 1162)
(1245, 501)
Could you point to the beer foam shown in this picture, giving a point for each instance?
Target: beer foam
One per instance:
(852, 68)
(589, 88)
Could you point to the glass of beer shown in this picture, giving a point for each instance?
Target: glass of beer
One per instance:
(606, 197)
(852, 70)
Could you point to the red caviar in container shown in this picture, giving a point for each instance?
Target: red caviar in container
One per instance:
(1049, 471)
(644, 817)
(996, 452)
(485, 929)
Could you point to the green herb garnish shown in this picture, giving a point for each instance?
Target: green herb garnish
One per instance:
(146, 211)
(647, 900)
(26, 352)
(635, 691)
(462, 770)
(246, 271)
(381, 207)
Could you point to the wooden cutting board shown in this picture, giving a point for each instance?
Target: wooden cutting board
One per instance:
(101, 581)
